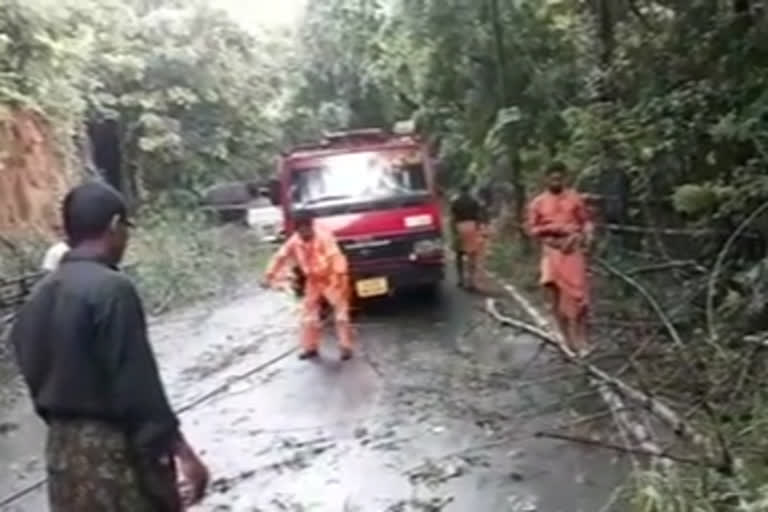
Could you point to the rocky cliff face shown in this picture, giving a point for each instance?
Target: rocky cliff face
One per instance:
(33, 177)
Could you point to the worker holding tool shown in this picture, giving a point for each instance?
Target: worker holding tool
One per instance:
(325, 268)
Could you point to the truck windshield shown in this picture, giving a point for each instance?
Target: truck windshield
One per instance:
(357, 178)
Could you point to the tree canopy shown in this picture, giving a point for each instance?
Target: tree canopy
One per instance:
(671, 93)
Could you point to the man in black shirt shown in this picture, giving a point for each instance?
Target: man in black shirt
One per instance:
(466, 216)
(81, 343)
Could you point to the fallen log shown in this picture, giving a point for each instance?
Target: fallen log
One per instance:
(653, 405)
(611, 399)
(617, 448)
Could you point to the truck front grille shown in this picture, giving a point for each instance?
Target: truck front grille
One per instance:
(385, 247)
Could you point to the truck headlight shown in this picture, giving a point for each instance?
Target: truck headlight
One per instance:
(428, 247)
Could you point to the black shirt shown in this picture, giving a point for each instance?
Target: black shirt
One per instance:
(466, 208)
(81, 343)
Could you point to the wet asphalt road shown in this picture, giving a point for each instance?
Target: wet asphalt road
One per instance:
(436, 413)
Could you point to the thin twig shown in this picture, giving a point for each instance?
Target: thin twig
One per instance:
(623, 449)
(712, 283)
(584, 419)
(649, 298)
(659, 267)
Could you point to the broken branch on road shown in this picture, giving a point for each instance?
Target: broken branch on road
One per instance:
(624, 449)
(653, 405)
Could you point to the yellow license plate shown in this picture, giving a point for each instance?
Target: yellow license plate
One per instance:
(372, 287)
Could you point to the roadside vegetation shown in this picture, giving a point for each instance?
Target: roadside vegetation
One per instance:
(658, 107)
(177, 258)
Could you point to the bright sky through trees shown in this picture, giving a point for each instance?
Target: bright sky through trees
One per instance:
(263, 12)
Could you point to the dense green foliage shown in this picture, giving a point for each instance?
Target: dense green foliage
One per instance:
(671, 94)
(191, 89)
(177, 257)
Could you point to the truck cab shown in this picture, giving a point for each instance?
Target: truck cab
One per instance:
(376, 192)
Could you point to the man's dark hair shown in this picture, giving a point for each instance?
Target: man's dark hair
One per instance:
(557, 167)
(89, 209)
(302, 218)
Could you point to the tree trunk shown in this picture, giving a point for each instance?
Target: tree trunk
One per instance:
(742, 10)
(511, 136)
(520, 204)
(605, 16)
(129, 168)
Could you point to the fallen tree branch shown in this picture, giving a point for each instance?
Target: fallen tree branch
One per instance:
(670, 265)
(680, 427)
(673, 334)
(619, 228)
(727, 460)
(622, 418)
(619, 412)
(623, 449)
(712, 283)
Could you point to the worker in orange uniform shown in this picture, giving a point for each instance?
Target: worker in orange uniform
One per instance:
(558, 218)
(325, 269)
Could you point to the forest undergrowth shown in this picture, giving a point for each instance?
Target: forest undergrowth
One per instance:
(176, 258)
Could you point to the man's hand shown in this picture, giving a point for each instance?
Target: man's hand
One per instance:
(194, 473)
(571, 242)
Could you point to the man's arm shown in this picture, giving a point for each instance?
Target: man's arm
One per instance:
(537, 224)
(279, 260)
(137, 392)
(584, 218)
(339, 264)
(533, 220)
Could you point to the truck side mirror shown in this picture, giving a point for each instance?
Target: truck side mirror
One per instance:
(274, 192)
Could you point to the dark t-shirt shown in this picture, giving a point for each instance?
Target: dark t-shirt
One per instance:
(466, 208)
(81, 343)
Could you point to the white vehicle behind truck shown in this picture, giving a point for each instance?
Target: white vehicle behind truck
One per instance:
(267, 221)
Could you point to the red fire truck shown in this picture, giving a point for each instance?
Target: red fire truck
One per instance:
(376, 191)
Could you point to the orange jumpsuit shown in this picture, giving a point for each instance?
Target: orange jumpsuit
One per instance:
(326, 269)
(551, 219)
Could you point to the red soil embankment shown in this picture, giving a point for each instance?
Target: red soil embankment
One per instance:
(33, 178)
